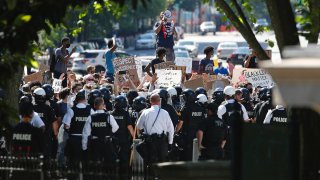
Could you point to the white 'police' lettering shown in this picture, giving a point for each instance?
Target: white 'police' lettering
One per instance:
(41, 115)
(99, 124)
(81, 119)
(118, 117)
(197, 114)
(22, 137)
(219, 123)
(279, 119)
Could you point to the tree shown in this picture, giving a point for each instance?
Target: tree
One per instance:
(20, 22)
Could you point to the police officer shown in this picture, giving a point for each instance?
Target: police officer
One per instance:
(73, 123)
(158, 131)
(106, 97)
(211, 134)
(276, 116)
(265, 107)
(100, 127)
(95, 93)
(247, 102)
(130, 97)
(192, 114)
(232, 113)
(164, 95)
(124, 134)
(217, 96)
(47, 115)
(26, 139)
(263, 97)
(138, 105)
(176, 99)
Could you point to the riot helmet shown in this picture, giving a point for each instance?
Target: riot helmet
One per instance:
(245, 94)
(39, 95)
(131, 95)
(105, 94)
(120, 102)
(49, 91)
(139, 103)
(164, 95)
(201, 90)
(263, 94)
(95, 93)
(189, 96)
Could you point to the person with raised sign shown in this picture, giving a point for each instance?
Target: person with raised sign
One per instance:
(161, 53)
(110, 55)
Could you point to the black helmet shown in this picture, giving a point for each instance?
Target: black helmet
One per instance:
(201, 90)
(105, 93)
(164, 95)
(189, 95)
(93, 95)
(131, 95)
(179, 90)
(39, 95)
(245, 94)
(218, 95)
(120, 102)
(263, 94)
(269, 93)
(24, 99)
(49, 91)
(139, 103)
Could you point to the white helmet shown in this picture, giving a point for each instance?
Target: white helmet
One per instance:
(202, 98)
(39, 92)
(172, 91)
(229, 90)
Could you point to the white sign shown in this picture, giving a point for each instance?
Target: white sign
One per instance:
(187, 62)
(57, 85)
(168, 78)
(257, 77)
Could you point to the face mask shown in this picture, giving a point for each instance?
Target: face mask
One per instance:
(67, 45)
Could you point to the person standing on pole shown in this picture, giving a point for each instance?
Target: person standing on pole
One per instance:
(165, 31)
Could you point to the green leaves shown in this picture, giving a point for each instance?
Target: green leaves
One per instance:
(97, 7)
(22, 18)
(270, 42)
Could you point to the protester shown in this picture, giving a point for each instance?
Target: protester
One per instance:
(161, 53)
(62, 58)
(220, 69)
(165, 31)
(251, 60)
(206, 64)
(230, 67)
(110, 55)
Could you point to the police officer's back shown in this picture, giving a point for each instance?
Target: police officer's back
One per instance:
(211, 135)
(192, 114)
(100, 127)
(124, 134)
(276, 116)
(106, 97)
(26, 139)
(138, 105)
(247, 103)
(164, 95)
(73, 122)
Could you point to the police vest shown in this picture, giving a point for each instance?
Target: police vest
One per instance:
(279, 116)
(249, 109)
(219, 130)
(100, 125)
(42, 110)
(121, 117)
(195, 116)
(22, 139)
(233, 112)
(79, 119)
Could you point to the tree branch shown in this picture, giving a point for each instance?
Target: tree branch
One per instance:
(242, 16)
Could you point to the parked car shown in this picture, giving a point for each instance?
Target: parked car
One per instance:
(145, 41)
(93, 57)
(102, 43)
(182, 54)
(225, 49)
(192, 47)
(180, 33)
(261, 23)
(237, 57)
(183, 48)
(208, 26)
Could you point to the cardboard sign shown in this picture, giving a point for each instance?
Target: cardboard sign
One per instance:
(57, 85)
(126, 64)
(194, 84)
(185, 62)
(168, 78)
(164, 65)
(222, 83)
(33, 77)
(258, 77)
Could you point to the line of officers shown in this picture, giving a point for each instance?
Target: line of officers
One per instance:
(100, 127)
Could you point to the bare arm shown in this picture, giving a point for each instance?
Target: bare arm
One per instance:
(130, 129)
(200, 137)
(66, 58)
(157, 30)
(147, 69)
(247, 62)
(113, 48)
(179, 126)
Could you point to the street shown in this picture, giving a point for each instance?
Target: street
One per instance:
(211, 40)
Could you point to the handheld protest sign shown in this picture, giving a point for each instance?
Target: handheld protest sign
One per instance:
(57, 85)
(33, 77)
(164, 65)
(168, 78)
(194, 84)
(126, 64)
(186, 62)
(257, 77)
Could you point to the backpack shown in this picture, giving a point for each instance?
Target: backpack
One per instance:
(52, 62)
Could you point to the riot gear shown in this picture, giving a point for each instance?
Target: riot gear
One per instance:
(92, 96)
(39, 95)
(245, 94)
(164, 95)
(218, 96)
(189, 96)
(120, 102)
(131, 95)
(139, 103)
(201, 90)
(105, 93)
(49, 91)
(262, 94)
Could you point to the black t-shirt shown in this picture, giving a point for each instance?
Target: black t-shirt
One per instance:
(206, 65)
(253, 62)
(213, 129)
(154, 62)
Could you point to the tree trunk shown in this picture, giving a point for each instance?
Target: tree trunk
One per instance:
(247, 34)
(283, 23)
(314, 6)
